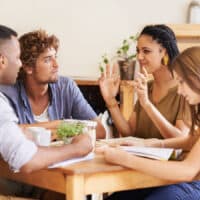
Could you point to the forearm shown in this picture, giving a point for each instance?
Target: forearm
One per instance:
(184, 143)
(100, 130)
(120, 122)
(185, 170)
(49, 125)
(49, 155)
(171, 170)
(166, 129)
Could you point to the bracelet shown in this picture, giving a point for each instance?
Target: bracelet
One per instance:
(112, 104)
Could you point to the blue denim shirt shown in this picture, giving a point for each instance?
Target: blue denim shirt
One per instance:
(66, 101)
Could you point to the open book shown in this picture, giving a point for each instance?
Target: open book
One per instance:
(153, 152)
(141, 150)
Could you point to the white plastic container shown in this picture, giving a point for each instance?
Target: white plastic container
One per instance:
(89, 127)
(194, 12)
(40, 135)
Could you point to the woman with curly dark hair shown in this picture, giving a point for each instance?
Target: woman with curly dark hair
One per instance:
(153, 116)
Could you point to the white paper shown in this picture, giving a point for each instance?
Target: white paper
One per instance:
(150, 152)
(90, 156)
(119, 140)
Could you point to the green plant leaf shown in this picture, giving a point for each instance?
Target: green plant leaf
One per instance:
(69, 129)
(132, 56)
(105, 60)
(125, 42)
(125, 48)
(101, 68)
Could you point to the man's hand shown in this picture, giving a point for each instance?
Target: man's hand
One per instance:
(83, 144)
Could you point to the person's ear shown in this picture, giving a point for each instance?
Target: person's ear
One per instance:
(2, 61)
(28, 70)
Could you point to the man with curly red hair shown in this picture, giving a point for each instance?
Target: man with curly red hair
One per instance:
(40, 96)
(20, 153)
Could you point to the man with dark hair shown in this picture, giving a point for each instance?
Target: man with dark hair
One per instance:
(20, 153)
(40, 96)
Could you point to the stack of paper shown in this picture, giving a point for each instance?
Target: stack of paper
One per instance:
(140, 150)
(90, 156)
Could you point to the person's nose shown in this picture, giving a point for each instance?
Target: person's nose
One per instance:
(140, 56)
(55, 63)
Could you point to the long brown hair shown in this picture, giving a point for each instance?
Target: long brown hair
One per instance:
(187, 66)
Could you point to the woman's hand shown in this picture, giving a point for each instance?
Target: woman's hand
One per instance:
(114, 155)
(109, 83)
(141, 88)
(151, 142)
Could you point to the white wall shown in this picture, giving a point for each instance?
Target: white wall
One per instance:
(89, 28)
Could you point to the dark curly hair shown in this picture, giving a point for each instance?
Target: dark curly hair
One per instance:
(165, 37)
(32, 45)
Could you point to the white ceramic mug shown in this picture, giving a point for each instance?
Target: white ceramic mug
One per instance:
(41, 136)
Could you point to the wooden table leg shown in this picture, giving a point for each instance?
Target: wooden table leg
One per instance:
(126, 98)
(75, 187)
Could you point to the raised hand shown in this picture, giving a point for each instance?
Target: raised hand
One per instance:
(109, 82)
(141, 88)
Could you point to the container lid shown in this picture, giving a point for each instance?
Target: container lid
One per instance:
(89, 123)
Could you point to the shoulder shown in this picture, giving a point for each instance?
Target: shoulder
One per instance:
(8, 89)
(6, 111)
(64, 81)
(3, 99)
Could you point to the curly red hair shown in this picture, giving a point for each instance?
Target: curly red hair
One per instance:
(34, 43)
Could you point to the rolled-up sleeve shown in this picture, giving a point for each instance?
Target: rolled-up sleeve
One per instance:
(15, 148)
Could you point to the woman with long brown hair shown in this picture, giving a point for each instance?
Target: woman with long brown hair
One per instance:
(186, 70)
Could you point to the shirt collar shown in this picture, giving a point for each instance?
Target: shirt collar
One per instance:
(24, 97)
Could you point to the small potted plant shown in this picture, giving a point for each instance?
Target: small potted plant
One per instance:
(125, 56)
(67, 130)
(72, 127)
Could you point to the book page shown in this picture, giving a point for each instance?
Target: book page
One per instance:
(140, 150)
(150, 152)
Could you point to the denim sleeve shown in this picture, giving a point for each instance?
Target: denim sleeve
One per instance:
(80, 108)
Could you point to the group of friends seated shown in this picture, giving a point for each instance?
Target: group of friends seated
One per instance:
(166, 114)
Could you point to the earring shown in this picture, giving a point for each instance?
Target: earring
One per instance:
(165, 60)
